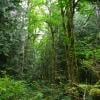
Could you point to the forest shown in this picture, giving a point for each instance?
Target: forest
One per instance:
(49, 49)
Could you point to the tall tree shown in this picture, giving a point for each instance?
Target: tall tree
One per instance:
(72, 64)
(67, 11)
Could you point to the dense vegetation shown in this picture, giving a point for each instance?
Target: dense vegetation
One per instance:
(49, 50)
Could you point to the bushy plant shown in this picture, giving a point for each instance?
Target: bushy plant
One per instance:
(11, 89)
(88, 74)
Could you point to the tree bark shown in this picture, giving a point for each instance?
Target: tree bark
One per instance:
(72, 64)
(65, 46)
(53, 57)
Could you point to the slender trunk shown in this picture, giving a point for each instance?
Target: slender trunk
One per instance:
(22, 57)
(96, 36)
(53, 59)
(65, 46)
(53, 66)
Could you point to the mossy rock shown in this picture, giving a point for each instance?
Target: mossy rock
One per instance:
(74, 92)
(95, 93)
(98, 83)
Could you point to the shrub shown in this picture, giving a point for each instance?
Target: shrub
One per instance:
(87, 73)
(11, 89)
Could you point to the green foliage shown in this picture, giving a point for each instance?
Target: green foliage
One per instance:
(38, 90)
(85, 88)
(86, 73)
(85, 8)
(11, 89)
(38, 95)
(95, 93)
(26, 49)
(97, 85)
(11, 35)
(35, 2)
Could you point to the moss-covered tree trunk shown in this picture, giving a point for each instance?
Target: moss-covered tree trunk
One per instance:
(72, 64)
(65, 46)
(67, 23)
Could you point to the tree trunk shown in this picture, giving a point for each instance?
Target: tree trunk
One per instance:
(53, 66)
(53, 58)
(72, 64)
(65, 46)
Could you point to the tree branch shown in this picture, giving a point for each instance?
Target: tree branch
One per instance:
(86, 21)
(76, 3)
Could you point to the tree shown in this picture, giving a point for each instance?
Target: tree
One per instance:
(68, 16)
(13, 33)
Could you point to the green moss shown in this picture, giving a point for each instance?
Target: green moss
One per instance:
(95, 93)
(98, 83)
